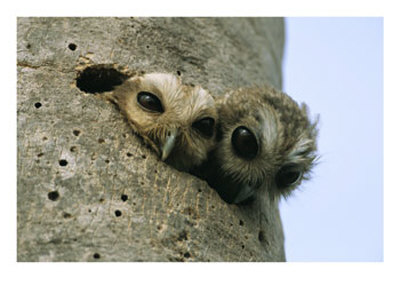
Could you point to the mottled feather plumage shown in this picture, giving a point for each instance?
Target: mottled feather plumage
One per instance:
(286, 144)
(182, 106)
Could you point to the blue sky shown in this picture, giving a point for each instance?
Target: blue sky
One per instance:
(335, 65)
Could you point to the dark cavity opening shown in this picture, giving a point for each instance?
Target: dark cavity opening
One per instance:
(72, 46)
(99, 79)
(124, 197)
(96, 256)
(38, 105)
(63, 162)
(118, 213)
(53, 195)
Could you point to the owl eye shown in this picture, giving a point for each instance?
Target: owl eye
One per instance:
(244, 143)
(205, 126)
(150, 102)
(287, 176)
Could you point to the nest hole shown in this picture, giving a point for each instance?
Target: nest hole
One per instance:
(99, 79)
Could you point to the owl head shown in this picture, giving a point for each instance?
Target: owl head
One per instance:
(176, 120)
(266, 145)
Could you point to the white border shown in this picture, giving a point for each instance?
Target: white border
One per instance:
(228, 281)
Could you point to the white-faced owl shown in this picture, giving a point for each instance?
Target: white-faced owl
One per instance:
(266, 145)
(176, 120)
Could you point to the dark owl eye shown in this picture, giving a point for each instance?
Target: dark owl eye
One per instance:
(205, 126)
(150, 102)
(287, 176)
(244, 143)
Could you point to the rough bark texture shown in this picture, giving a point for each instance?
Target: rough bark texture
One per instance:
(88, 189)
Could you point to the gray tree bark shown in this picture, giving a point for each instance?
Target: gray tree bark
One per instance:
(88, 189)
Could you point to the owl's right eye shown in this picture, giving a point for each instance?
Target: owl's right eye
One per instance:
(205, 126)
(287, 176)
(244, 143)
(150, 102)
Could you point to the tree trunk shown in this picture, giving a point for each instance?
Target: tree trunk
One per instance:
(88, 189)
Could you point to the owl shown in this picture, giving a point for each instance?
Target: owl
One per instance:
(266, 145)
(176, 120)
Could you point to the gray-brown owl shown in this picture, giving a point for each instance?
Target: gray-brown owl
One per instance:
(176, 120)
(266, 145)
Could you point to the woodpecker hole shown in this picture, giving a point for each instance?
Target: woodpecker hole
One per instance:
(99, 79)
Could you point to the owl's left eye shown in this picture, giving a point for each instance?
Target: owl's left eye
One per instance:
(244, 143)
(205, 126)
(288, 175)
(150, 102)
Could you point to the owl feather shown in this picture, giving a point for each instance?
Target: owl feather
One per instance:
(266, 145)
(176, 120)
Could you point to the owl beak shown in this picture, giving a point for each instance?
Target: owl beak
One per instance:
(169, 144)
(245, 193)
